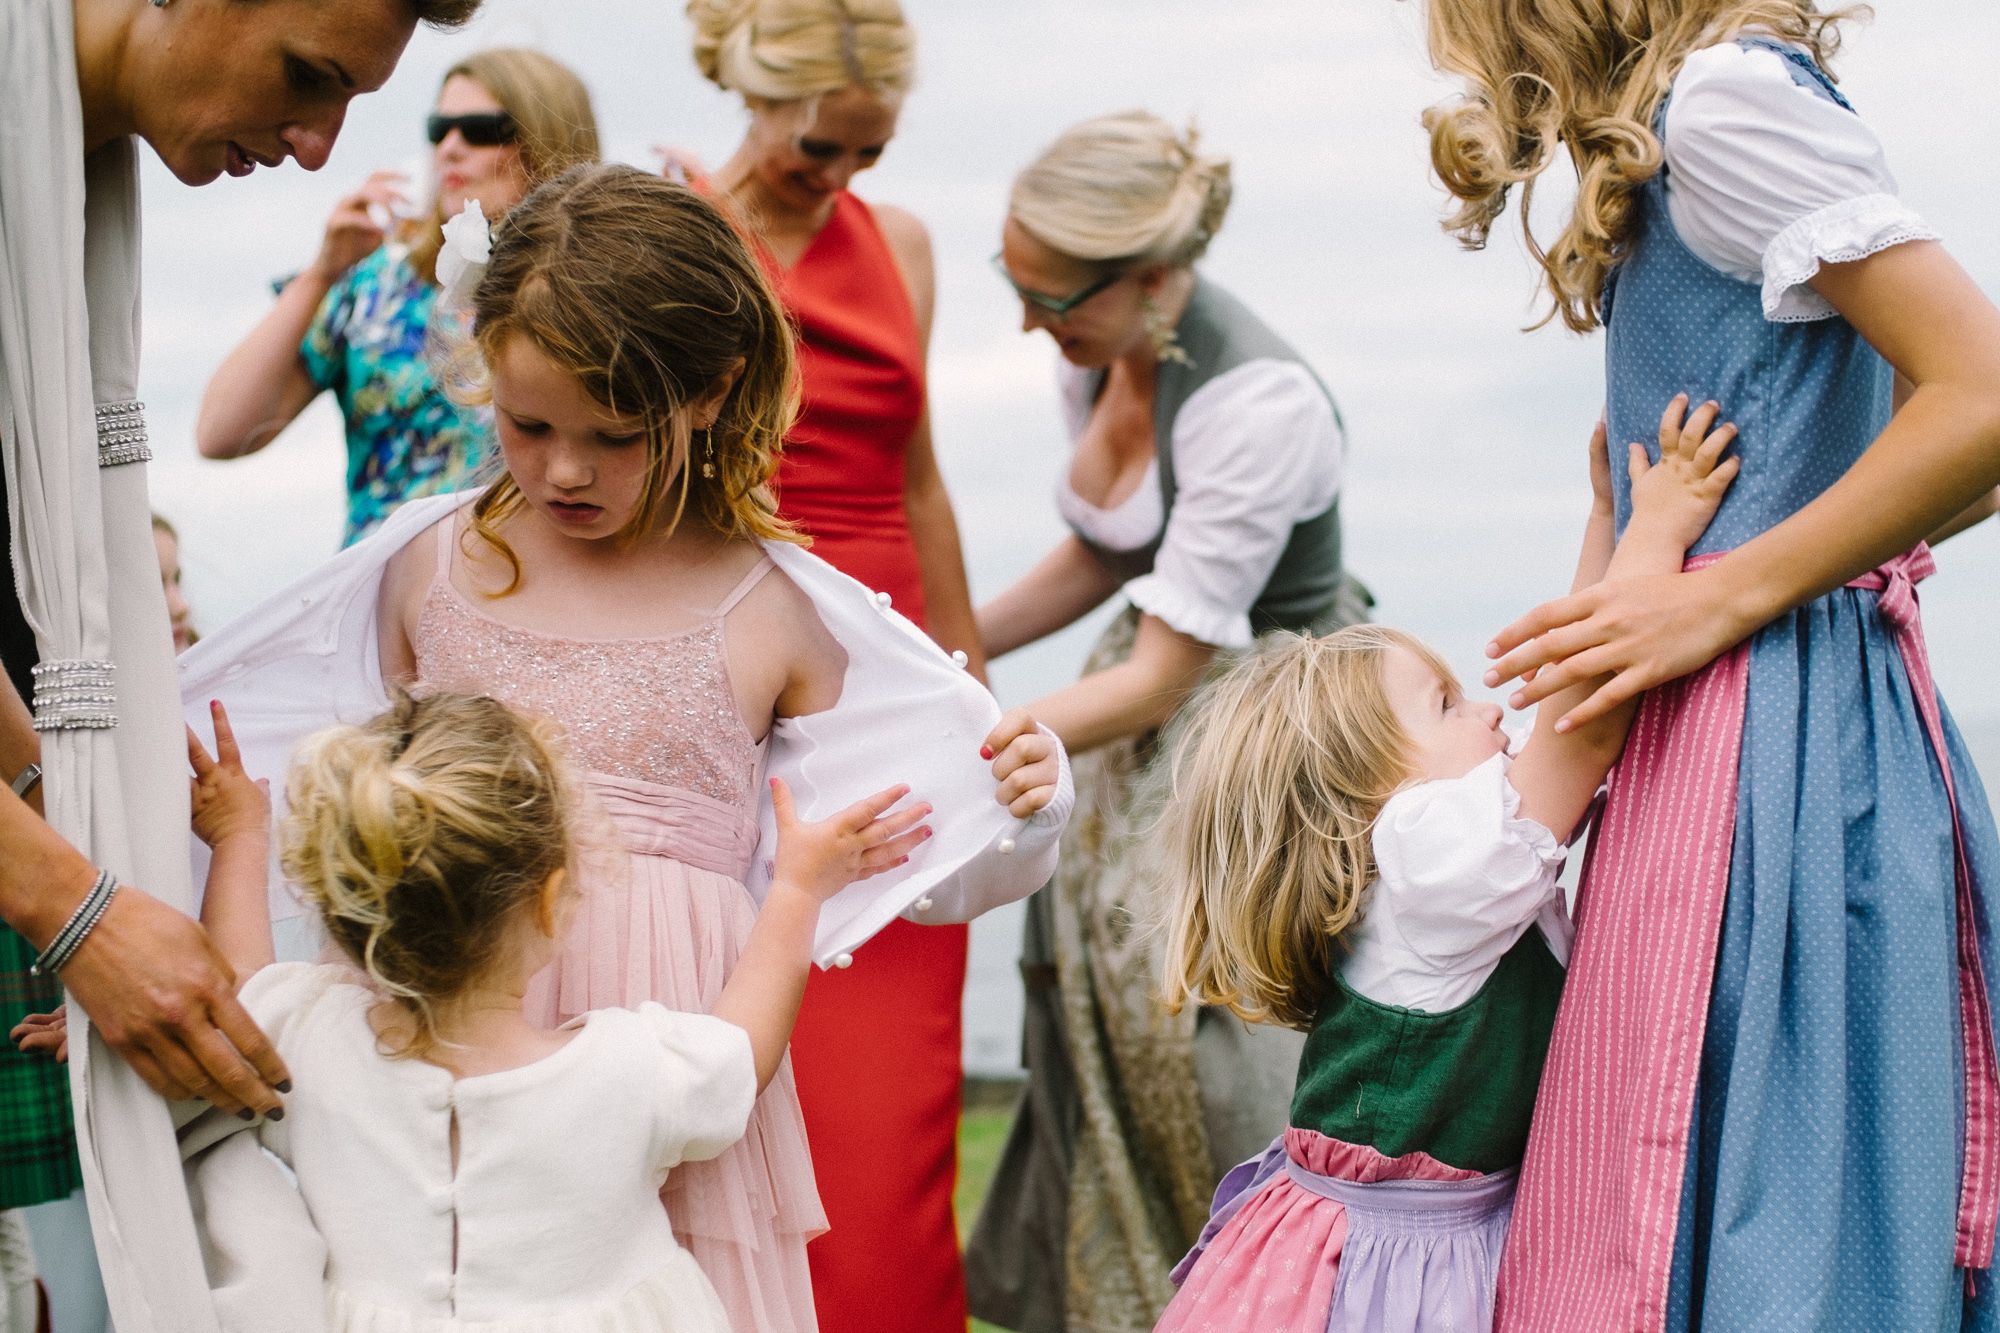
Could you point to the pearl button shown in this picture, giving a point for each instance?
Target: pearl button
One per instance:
(959, 659)
(924, 904)
(882, 600)
(1005, 847)
(843, 960)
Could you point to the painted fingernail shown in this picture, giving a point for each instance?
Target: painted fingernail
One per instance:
(985, 752)
(246, 1114)
(927, 833)
(285, 1086)
(275, 1113)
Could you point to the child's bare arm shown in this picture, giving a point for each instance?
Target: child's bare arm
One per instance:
(815, 861)
(1559, 771)
(232, 814)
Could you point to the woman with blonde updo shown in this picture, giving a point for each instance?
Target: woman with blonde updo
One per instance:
(879, 1047)
(1204, 485)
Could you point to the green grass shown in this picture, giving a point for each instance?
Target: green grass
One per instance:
(982, 1131)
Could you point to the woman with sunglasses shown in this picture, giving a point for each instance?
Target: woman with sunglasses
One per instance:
(358, 320)
(1204, 485)
(878, 1049)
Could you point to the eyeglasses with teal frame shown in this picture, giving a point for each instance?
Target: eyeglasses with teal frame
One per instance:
(1058, 306)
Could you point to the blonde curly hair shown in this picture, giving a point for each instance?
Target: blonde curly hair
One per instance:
(1586, 76)
(421, 837)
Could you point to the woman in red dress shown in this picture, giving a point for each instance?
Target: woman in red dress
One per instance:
(878, 1046)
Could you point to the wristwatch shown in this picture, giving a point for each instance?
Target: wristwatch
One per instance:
(30, 778)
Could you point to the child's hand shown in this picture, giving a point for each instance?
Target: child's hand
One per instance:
(860, 841)
(227, 804)
(1026, 764)
(1674, 499)
(44, 1032)
(1600, 469)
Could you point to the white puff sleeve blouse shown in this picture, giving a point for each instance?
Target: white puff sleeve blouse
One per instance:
(1767, 179)
(1460, 876)
(1257, 451)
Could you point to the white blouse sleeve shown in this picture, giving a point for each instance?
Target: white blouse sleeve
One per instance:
(1256, 451)
(1461, 872)
(1767, 179)
(707, 1078)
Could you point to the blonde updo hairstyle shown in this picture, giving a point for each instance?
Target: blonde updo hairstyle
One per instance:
(551, 111)
(1126, 190)
(421, 837)
(1276, 774)
(1585, 76)
(794, 50)
(642, 290)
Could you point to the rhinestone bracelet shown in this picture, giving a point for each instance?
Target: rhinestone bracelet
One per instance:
(81, 922)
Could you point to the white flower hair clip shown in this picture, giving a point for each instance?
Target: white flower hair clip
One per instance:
(461, 262)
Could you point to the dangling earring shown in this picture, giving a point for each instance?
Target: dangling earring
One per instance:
(708, 455)
(1166, 346)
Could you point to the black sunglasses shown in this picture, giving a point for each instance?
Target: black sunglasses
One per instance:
(481, 129)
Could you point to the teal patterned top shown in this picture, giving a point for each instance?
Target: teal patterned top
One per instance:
(371, 342)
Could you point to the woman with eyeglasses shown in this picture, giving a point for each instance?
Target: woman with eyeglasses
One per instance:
(359, 319)
(878, 1049)
(1204, 485)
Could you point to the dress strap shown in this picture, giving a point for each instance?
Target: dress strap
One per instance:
(742, 589)
(446, 526)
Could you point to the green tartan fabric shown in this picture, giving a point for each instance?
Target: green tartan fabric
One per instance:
(37, 1136)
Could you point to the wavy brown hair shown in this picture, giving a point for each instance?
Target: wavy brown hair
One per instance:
(643, 290)
(1586, 76)
(1276, 775)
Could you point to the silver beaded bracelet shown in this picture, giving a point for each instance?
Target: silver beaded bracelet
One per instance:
(81, 922)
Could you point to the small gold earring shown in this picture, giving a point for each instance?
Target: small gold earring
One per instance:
(708, 455)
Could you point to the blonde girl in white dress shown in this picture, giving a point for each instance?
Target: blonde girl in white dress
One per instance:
(457, 1166)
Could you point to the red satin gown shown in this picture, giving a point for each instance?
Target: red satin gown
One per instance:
(878, 1047)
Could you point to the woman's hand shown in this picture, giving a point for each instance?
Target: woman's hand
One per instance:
(1026, 763)
(227, 803)
(861, 841)
(1640, 632)
(353, 231)
(45, 1033)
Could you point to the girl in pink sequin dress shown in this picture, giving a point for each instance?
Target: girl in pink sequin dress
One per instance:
(615, 581)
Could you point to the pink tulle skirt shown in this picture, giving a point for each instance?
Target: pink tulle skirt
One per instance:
(653, 927)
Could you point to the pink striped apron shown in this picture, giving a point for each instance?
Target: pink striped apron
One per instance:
(1595, 1220)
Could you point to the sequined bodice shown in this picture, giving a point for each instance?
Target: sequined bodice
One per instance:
(655, 710)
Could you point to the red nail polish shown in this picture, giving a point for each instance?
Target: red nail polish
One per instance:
(985, 752)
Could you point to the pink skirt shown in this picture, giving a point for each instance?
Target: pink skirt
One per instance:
(653, 927)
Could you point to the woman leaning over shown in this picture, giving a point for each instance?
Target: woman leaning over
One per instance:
(358, 319)
(878, 1047)
(1204, 484)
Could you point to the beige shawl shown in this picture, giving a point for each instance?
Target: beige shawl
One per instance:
(83, 554)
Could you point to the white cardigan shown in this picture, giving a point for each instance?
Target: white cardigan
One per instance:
(308, 658)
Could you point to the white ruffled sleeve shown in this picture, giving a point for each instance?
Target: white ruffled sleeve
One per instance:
(1256, 451)
(1460, 876)
(1767, 179)
(707, 1083)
